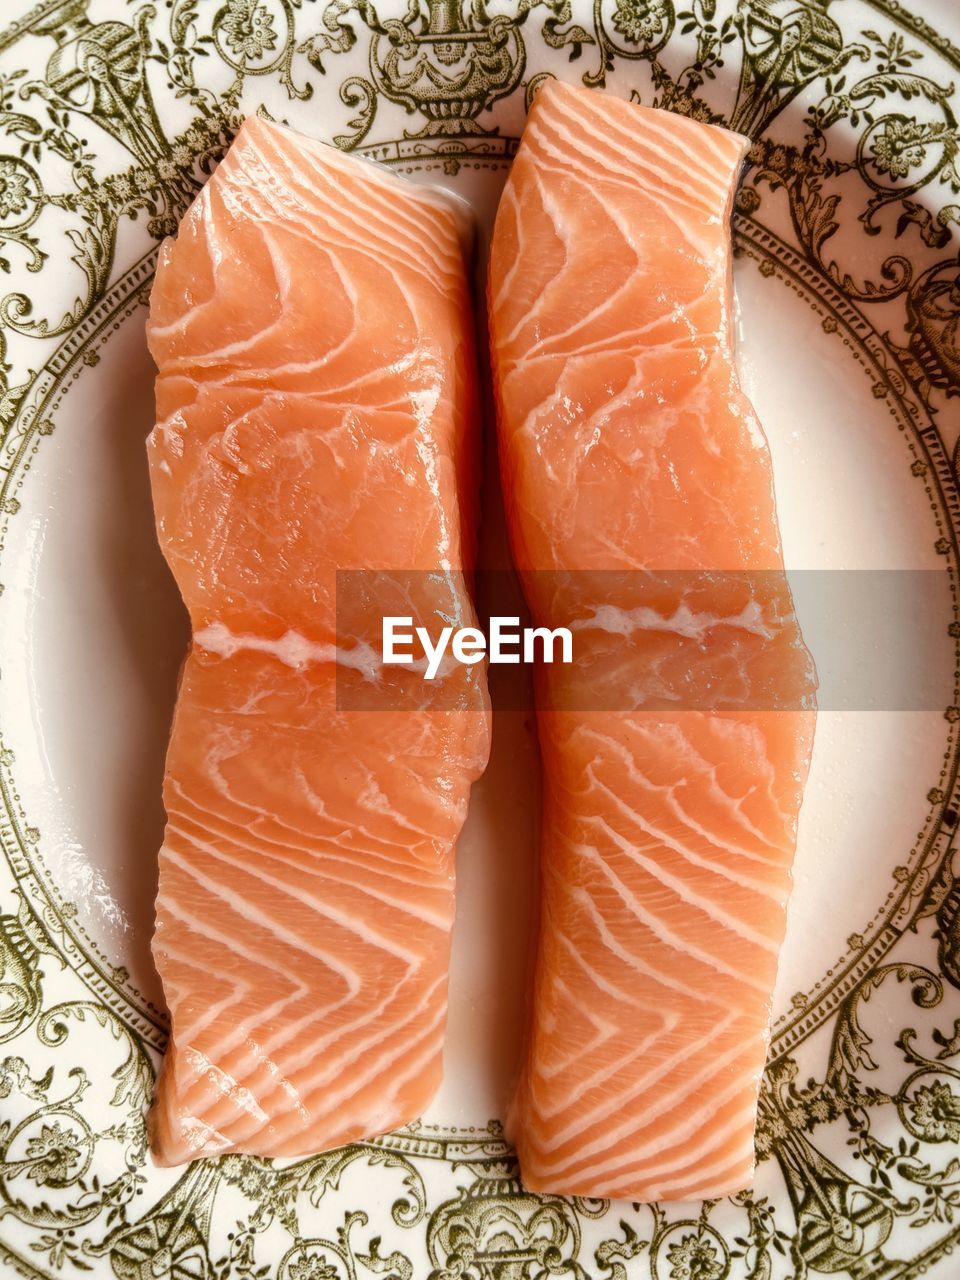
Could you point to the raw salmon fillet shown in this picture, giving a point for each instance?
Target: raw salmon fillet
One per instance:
(641, 510)
(316, 411)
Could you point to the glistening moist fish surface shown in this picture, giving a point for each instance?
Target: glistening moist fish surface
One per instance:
(316, 402)
(627, 444)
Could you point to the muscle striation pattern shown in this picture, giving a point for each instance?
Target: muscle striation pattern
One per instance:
(627, 445)
(316, 407)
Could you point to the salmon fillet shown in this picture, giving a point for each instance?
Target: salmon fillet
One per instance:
(641, 510)
(316, 406)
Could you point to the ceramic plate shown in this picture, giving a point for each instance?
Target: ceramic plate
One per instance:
(111, 113)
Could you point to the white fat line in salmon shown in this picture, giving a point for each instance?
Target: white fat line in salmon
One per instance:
(682, 622)
(292, 649)
(508, 643)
